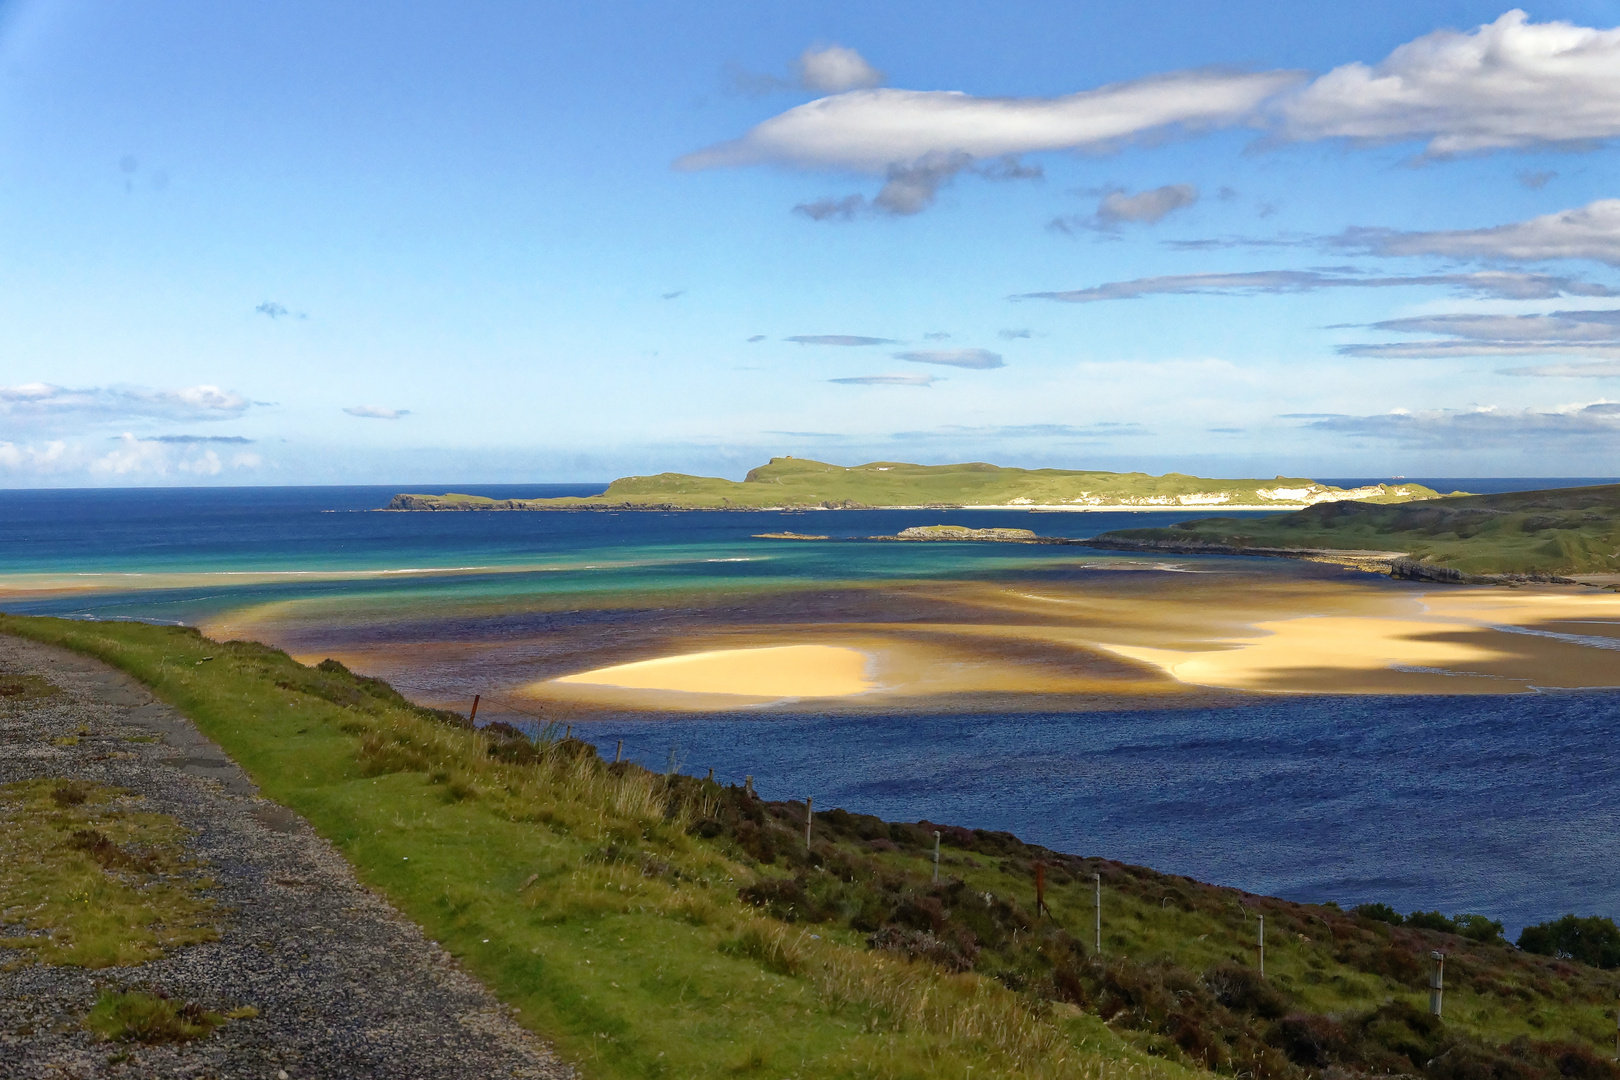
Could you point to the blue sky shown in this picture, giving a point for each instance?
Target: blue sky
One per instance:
(487, 242)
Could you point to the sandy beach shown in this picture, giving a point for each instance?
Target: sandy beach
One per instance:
(769, 673)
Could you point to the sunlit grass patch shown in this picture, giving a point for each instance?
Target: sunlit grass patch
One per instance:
(90, 880)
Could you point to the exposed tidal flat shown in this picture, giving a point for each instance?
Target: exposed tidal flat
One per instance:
(1293, 728)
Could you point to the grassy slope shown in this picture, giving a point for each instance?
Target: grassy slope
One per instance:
(787, 482)
(632, 948)
(1560, 530)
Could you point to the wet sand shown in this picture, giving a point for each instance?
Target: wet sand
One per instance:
(1085, 639)
(775, 672)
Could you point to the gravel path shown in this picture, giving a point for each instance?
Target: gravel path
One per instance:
(345, 986)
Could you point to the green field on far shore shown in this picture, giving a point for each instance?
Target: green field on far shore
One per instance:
(799, 483)
(1553, 531)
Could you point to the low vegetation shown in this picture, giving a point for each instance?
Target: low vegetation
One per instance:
(138, 1016)
(89, 879)
(1557, 531)
(799, 483)
(666, 925)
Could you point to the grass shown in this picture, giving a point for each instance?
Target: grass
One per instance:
(577, 892)
(90, 880)
(802, 483)
(1557, 531)
(136, 1016)
(668, 926)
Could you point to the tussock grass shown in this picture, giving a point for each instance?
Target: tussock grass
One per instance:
(137, 1016)
(88, 879)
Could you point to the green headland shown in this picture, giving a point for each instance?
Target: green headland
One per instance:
(1552, 532)
(788, 483)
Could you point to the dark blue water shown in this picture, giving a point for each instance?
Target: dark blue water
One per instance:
(1501, 805)
(1506, 806)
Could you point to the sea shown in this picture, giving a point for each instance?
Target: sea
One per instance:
(1506, 806)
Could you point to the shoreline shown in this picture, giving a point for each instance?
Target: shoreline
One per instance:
(511, 506)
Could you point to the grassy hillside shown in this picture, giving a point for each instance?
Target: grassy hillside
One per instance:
(669, 926)
(1557, 531)
(798, 482)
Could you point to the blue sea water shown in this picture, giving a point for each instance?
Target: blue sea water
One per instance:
(1501, 805)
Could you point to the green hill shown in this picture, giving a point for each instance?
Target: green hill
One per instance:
(660, 925)
(799, 483)
(1555, 531)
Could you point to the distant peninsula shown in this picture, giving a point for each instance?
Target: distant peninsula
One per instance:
(1521, 535)
(789, 483)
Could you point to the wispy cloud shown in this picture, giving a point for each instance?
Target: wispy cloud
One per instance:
(672, 295)
(1496, 284)
(131, 458)
(46, 401)
(1014, 335)
(189, 440)
(839, 339)
(1604, 369)
(272, 309)
(376, 412)
(1484, 427)
(1102, 429)
(1118, 208)
(1587, 232)
(888, 380)
(962, 358)
(1504, 85)
(1589, 333)
(756, 338)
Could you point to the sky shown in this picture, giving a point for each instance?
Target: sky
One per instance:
(488, 242)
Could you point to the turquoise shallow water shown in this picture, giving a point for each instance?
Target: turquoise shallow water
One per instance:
(1504, 805)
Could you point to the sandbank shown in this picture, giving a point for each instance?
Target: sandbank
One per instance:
(772, 672)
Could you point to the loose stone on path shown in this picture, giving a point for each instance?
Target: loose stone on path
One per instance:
(344, 985)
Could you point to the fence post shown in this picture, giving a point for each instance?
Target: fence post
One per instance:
(1040, 890)
(1437, 982)
(809, 819)
(936, 878)
(1098, 878)
(618, 755)
(1262, 946)
(473, 716)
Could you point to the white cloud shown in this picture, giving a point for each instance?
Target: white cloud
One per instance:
(376, 412)
(43, 401)
(1507, 84)
(849, 340)
(962, 358)
(1588, 232)
(834, 69)
(870, 131)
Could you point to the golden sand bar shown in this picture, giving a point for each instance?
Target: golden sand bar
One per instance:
(773, 672)
(1473, 636)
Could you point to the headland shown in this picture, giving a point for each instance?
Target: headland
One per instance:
(788, 483)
